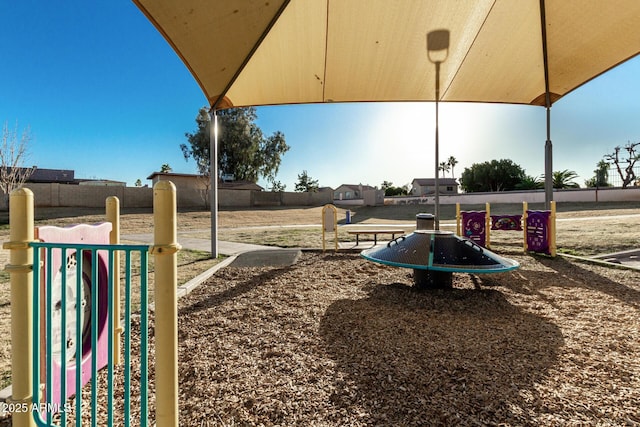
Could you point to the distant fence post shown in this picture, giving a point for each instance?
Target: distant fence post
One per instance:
(20, 268)
(165, 248)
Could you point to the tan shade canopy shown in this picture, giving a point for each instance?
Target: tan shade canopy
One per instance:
(266, 52)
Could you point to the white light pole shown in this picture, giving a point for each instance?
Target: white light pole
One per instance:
(213, 172)
(437, 52)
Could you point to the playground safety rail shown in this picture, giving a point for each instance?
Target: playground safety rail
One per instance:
(49, 405)
(25, 313)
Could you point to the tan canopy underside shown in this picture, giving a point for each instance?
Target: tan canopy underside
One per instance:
(310, 51)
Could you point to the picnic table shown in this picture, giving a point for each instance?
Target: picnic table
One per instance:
(375, 232)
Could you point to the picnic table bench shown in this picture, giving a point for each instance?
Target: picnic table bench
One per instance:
(375, 232)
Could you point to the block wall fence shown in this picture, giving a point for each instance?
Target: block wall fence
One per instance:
(59, 195)
(615, 194)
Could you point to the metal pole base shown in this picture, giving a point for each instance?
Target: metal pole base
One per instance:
(432, 279)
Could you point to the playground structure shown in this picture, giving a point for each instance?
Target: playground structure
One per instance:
(538, 227)
(68, 343)
(329, 226)
(65, 314)
(434, 256)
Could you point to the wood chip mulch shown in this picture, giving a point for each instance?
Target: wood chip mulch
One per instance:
(337, 340)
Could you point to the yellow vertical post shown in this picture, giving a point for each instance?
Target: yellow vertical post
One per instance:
(552, 230)
(329, 223)
(335, 228)
(113, 216)
(487, 225)
(165, 248)
(324, 228)
(458, 229)
(20, 268)
(525, 208)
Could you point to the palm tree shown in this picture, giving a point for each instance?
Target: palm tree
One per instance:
(452, 162)
(564, 179)
(530, 183)
(444, 167)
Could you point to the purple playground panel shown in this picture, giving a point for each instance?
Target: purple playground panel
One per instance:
(473, 226)
(506, 222)
(538, 231)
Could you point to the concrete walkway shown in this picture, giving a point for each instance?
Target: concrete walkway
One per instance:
(187, 241)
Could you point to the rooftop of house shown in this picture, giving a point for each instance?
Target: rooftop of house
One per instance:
(432, 181)
(227, 185)
(357, 187)
(51, 175)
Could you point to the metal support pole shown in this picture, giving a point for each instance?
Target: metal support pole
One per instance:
(165, 248)
(20, 267)
(437, 160)
(213, 154)
(548, 149)
(113, 216)
(437, 51)
(548, 165)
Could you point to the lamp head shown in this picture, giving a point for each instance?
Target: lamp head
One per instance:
(438, 45)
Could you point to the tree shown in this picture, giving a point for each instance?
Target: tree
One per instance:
(138, 183)
(629, 175)
(452, 162)
(199, 144)
(530, 183)
(496, 175)
(390, 190)
(165, 168)
(444, 167)
(396, 191)
(306, 183)
(204, 188)
(564, 179)
(601, 177)
(277, 186)
(13, 153)
(243, 150)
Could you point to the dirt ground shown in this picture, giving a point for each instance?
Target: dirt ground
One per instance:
(336, 340)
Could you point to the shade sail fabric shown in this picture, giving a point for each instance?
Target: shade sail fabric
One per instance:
(267, 52)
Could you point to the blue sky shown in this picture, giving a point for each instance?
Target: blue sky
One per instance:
(105, 95)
